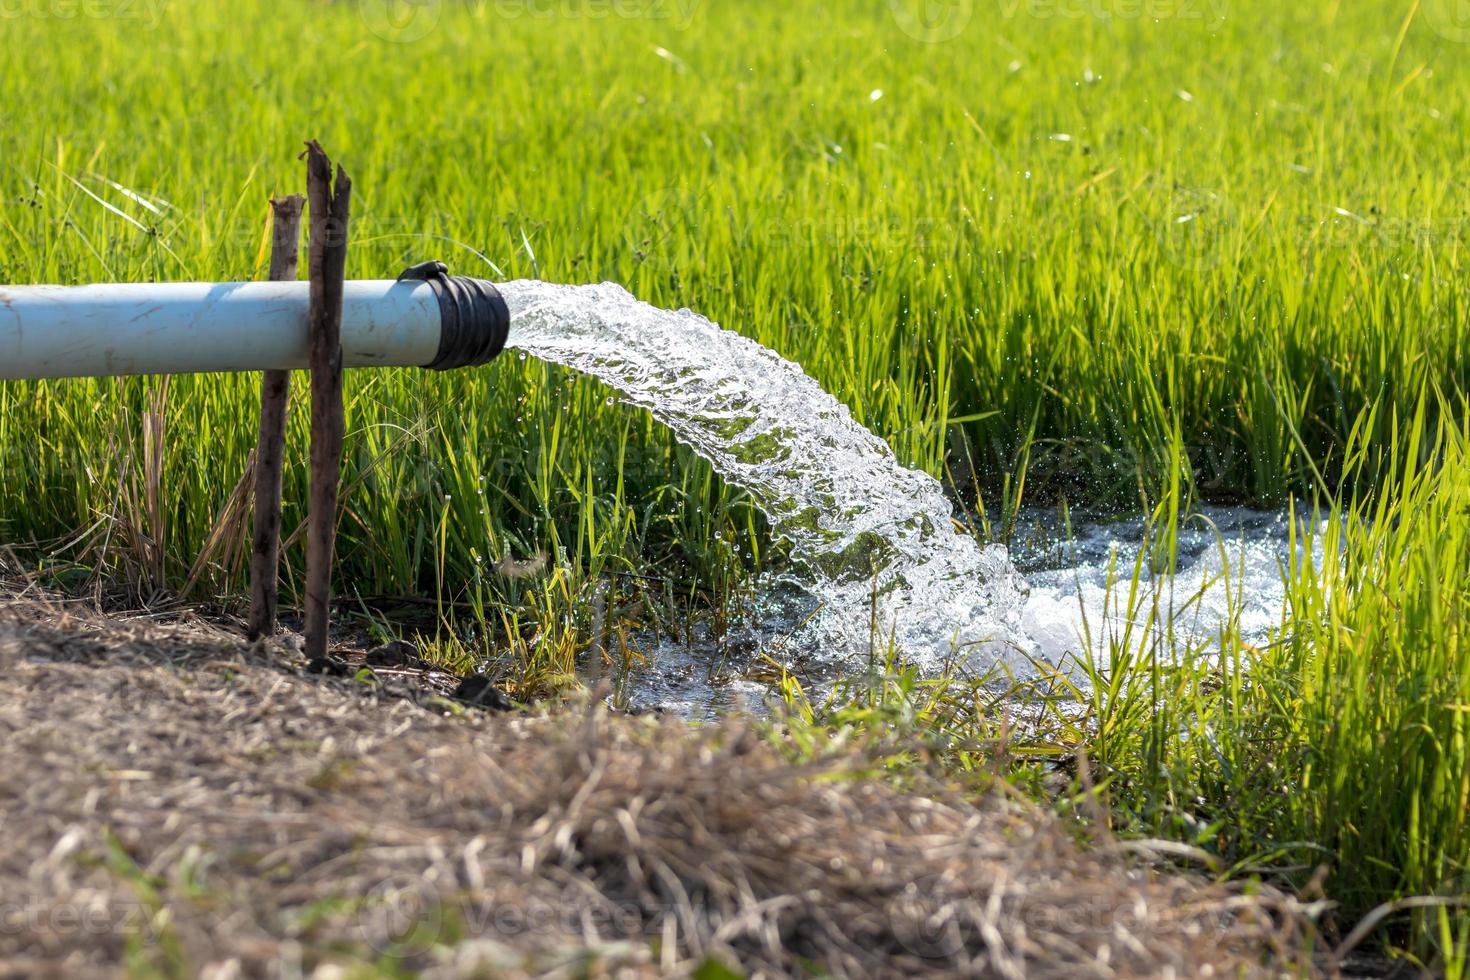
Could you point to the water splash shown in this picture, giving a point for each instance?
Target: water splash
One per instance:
(1083, 604)
(1229, 577)
(884, 556)
(878, 538)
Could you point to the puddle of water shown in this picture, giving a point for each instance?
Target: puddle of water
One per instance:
(1230, 565)
(1230, 568)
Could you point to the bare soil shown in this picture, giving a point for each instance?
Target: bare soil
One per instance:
(176, 802)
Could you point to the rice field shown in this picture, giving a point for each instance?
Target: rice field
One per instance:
(1127, 257)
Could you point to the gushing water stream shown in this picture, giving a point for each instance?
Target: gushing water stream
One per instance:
(883, 555)
(883, 550)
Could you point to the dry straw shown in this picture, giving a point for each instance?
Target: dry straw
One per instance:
(177, 801)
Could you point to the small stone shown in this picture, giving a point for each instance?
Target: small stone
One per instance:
(395, 653)
(478, 692)
(292, 642)
(329, 666)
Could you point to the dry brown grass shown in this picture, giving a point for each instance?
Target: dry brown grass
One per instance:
(176, 803)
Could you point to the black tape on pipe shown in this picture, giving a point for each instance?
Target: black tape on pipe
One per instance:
(473, 317)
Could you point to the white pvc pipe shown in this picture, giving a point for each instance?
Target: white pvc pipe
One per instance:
(189, 327)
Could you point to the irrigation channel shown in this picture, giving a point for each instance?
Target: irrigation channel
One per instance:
(880, 556)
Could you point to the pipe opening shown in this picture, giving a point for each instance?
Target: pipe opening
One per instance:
(474, 319)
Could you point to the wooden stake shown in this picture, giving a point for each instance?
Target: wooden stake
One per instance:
(327, 266)
(275, 391)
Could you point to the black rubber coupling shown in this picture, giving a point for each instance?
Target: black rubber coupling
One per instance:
(473, 317)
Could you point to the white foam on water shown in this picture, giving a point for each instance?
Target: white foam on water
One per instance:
(1230, 571)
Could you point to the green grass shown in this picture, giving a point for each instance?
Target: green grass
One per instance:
(996, 237)
(1335, 758)
(1341, 746)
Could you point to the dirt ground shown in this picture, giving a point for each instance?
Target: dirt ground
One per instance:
(175, 802)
